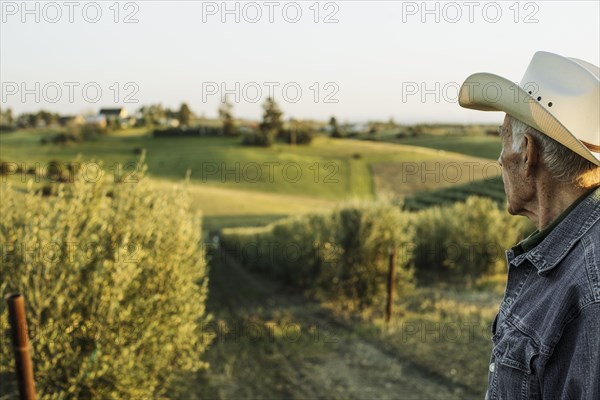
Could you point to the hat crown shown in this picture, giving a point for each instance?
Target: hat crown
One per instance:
(558, 96)
(569, 89)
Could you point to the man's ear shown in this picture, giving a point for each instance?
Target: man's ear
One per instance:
(530, 154)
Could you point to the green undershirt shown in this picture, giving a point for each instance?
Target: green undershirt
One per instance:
(538, 236)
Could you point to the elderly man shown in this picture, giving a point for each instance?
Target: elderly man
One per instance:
(546, 336)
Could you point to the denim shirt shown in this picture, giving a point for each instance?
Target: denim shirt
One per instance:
(546, 335)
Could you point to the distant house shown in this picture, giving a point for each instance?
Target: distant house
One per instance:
(357, 128)
(96, 120)
(116, 117)
(71, 120)
(170, 122)
(247, 127)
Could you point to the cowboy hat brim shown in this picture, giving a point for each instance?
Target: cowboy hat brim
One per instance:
(490, 92)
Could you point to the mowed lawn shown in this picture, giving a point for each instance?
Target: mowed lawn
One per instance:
(238, 185)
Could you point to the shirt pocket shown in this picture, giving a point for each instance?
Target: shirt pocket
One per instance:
(512, 373)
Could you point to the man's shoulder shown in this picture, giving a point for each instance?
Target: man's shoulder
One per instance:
(579, 271)
(553, 299)
(576, 277)
(581, 225)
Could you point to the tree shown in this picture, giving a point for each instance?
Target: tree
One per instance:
(391, 123)
(335, 129)
(153, 114)
(226, 115)
(184, 115)
(26, 120)
(6, 117)
(260, 138)
(272, 118)
(47, 117)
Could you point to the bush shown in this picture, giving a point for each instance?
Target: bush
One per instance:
(90, 131)
(343, 256)
(8, 168)
(7, 129)
(303, 135)
(340, 257)
(259, 138)
(291, 250)
(115, 283)
(301, 248)
(365, 234)
(464, 241)
(66, 138)
(198, 131)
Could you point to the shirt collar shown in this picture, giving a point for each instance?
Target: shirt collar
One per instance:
(563, 236)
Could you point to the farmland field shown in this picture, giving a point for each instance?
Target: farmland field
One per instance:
(231, 182)
(236, 186)
(476, 146)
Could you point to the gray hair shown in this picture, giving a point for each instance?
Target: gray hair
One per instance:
(563, 164)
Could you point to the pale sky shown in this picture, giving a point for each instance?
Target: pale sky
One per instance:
(372, 60)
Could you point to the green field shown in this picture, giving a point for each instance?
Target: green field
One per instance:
(476, 146)
(420, 351)
(235, 185)
(492, 188)
(487, 182)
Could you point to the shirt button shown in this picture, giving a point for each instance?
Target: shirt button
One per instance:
(492, 367)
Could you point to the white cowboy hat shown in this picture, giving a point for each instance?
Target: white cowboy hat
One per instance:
(558, 96)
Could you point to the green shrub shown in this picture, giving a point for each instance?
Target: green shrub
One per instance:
(198, 131)
(115, 282)
(66, 138)
(340, 257)
(462, 242)
(365, 234)
(292, 250)
(344, 256)
(300, 135)
(303, 245)
(8, 168)
(261, 137)
(90, 131)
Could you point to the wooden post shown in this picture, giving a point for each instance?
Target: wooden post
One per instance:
(24, 367)
(391, 284)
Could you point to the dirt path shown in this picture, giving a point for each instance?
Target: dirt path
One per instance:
(318, 359)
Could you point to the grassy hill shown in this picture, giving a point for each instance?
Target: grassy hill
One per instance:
(492, 188)
(476, 146)
(238, 185)
(487, 181)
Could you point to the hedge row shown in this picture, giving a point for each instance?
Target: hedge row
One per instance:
(187, 132)
(343, 256)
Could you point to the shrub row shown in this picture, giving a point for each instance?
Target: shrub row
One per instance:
(259, 138)
(343, 256)
(188, 132)
(463, 242)
(301, 135)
